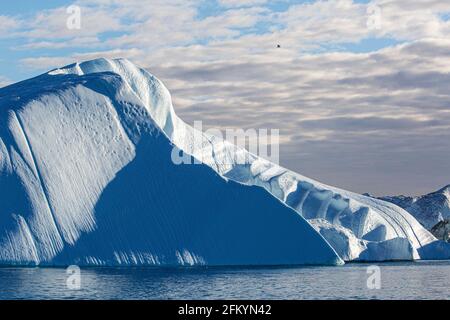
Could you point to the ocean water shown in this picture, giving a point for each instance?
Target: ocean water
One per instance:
(409, 280)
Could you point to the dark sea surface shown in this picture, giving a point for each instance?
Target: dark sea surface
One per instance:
(402, 280)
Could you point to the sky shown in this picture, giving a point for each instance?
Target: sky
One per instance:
(358, 89)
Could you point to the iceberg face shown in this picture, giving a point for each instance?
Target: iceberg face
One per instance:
(341, 239)
(86, 149)
(86, 178)
(367, 221)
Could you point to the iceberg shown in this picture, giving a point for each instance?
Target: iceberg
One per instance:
(87, 178)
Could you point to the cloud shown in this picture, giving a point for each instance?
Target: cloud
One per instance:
(113, 24)
(8, 25)
(52, 62)
(4, 81)
(241, 3)
(399, 19)
(337, 112)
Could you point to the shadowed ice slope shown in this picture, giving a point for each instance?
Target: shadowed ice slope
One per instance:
(358, 227)
(86, 178)
(189, 215)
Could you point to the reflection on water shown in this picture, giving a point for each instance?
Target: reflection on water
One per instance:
(420, 280)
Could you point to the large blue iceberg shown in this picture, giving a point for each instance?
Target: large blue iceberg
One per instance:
(87, 178)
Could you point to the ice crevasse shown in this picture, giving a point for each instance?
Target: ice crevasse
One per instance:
(86, 178)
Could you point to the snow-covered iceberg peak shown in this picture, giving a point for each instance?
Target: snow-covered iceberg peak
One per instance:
(150, 91)
(86, 178)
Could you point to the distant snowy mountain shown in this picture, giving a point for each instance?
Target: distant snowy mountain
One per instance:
(429, 209)
(86, 177)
